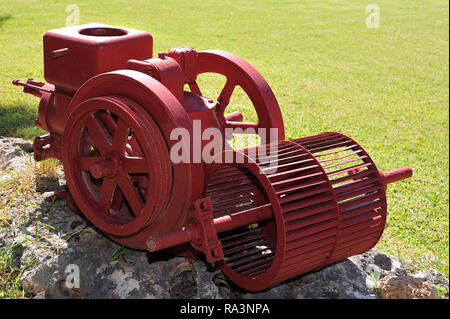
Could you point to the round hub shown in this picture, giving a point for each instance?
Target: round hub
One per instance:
(108, 166)
(117, 165)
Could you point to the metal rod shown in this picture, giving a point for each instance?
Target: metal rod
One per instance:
(31, 86)
(222, 224)
(397, 175)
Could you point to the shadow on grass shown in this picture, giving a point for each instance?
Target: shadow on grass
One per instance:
(18, 121)
(4, 18)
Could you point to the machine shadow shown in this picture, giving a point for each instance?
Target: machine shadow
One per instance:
(17, 120)
(4, 18)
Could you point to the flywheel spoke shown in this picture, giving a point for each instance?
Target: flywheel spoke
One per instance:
(193, 86)
(106, 192)
(225, 94)
(109, 121)
(134, 165)
(133, 147)
(99, 134)
(111, 124)
(131, 194)
(117, 200)
(120, 137)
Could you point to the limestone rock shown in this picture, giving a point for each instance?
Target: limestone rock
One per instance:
(407, 287)
(12, 147)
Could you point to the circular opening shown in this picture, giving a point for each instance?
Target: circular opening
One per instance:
(249, 250)
(103, 32)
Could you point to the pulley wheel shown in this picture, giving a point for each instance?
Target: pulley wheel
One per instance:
(239, 72)
(116, 163)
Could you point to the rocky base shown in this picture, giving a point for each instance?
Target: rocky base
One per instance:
(64, 256)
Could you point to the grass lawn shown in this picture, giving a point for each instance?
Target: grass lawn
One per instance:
(385, 87)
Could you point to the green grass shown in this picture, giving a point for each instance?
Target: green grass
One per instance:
(8, 285)
(387, 88)
(10, 275)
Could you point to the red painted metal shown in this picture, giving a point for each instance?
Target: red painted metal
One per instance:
(238, 72)
(113, 171)
(87, 50)
(299, 194)
(395, 175)
(192, 232)
(287, 208)
(359, 190)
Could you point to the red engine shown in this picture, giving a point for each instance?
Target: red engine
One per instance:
(147, 159)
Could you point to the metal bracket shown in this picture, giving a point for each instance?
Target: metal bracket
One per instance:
(206, 239)
(47, 146)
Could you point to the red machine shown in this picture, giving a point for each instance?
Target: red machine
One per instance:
(287, 208)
